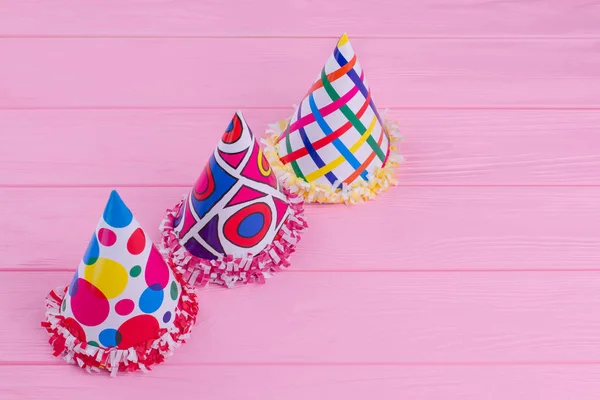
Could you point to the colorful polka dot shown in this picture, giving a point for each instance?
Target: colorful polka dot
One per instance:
(75, 329)
(92, 343)
(157, 272)
(137, 330)
(116, 213)
(136, 242)
(151, 299)
(109, 337)
(89, 306)
(107, 275)
(135, 271)
(174, 290)
(167, 317)
(73, 284)
(92, 252)
(107, 237)
(124, 307)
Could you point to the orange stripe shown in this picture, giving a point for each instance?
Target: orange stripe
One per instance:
(364, 165)
(335, 75)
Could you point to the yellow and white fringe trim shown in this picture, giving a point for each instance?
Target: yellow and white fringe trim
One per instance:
(357, 192)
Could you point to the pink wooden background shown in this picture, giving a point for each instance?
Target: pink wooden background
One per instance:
(477, 278)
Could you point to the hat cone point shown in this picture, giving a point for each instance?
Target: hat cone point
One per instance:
(336, 147)
(236, 224)
(122, 300)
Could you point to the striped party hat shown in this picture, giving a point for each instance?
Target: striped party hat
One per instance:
(335, 147)
(236, 224)
(125, 308)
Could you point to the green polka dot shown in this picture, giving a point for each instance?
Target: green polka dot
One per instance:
(64, 305)
(92, 343)
(174, 290)
(135, 271)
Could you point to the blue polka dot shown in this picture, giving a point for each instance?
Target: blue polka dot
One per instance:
(109, 337)
(151, 299)
(251, 225)
(73, 286)
(116, 213)
(92, 252)
(167, 317)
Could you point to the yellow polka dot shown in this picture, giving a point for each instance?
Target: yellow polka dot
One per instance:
(107, 275)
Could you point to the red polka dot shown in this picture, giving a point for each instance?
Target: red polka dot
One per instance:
(137, 330)
(157, 271)
(75, 329)
(89, 305)
(136, 242)
(124, 307)
(107, 237)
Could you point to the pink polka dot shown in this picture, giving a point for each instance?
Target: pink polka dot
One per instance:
(157, 272)
(124, 307)
(136, 242)
(107, 237)
(89, 305)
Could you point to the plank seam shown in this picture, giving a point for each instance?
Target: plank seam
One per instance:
(299, 37)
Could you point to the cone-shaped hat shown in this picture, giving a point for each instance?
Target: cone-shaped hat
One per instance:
(236, 223)
(336, 140)
(125, 308)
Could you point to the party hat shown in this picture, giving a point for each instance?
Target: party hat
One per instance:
(236, 224)
(126, 308)
(335, 147)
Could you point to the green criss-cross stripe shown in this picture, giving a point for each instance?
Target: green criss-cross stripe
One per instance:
(351, 116)
(288, 146)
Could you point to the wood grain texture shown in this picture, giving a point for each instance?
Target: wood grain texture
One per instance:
(169, 147)
(389, 18)
(244, 72)
(408, 228)
(341, 318)
(521, 382)
(477, 278)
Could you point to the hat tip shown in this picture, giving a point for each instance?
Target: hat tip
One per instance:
(116, 213)
(343, 39)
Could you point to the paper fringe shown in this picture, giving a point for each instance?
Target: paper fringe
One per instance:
(357, 192)
(227, 270)
(140, 357)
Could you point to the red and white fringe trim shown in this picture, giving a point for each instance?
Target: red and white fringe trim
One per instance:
(140, 357)
(227, 270)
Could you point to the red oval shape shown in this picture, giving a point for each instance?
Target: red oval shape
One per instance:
(136, 242)
(137, 330)
(75, 329)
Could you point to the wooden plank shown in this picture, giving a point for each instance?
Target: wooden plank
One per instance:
(243, 73)
(548, 382)
(442, 147)
(338, 318)
(408, 228)
(239, 18)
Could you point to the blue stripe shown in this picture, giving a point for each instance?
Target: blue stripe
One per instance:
(339, 57)
(312, 152)
(336, 142)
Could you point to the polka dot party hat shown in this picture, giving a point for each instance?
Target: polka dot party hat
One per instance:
(125, 308)
(236, 224)
(335, 148)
